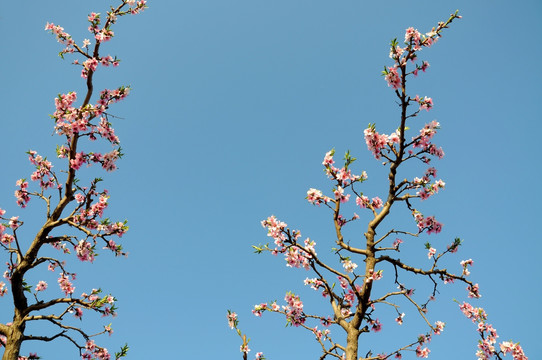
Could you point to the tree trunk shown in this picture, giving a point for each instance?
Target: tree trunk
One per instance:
(13, 343)
(352, 338)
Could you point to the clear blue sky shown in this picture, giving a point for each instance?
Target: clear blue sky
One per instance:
(234, 104)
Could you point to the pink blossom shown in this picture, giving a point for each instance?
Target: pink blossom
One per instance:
(395, 137)
(427, 223)
(259, 309)
(413, 36)
(314, 283)
(3, 289)
(362, 201)
(327, 321)
(22, 194)
(94, 17)
(294, 309)
(376, 326)
(399, 319)
(88, 66)
(78, 313)
(84, 251)
(376, 202)
(77, 161)
(374, 275)
(349, 266)
(343, 282)
(339, 195)
(232, 319)
(423, 353)
(315, 197)
(431, 253)
(297, 258)
(392, 77)
(328, 158)
(65, 284)
(439, 327)
(80, 198)
(426, 103)
(6, 239)
(42, 285)
(375, 142)
(474, 291)
(465, 264)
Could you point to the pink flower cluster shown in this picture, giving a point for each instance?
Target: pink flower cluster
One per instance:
(3, 289)
(78, 313)
(259, 309)
(140, 5)
(363, 202)
(71, 121)
(399, 319)
(343, 175)
(465, 264)
(319, 333)
(89, 65)
(396, 243)
(349, 266)
(426, 223)
(414, 42)
(425, 182)
(43, 170)
(276, 230)
(374, 275)
(296, 257)
(65, 285)
(421, 67)
(422, 352)
(426, 103)
(474, 291)
(392, 76)
(414, 38)
(87, 217)
(314, 283)
(294, 309)
(486, 346)
(439, 327)
(232, 319)
(316, 197)
(423, 141)
(42, 285)
(5, 238)
(376, 326)
(31, 356)
(84, 251)
(375, 142)
(22, 194)
(93, 352)
(62, 37)
(514, 349)
(422, 340)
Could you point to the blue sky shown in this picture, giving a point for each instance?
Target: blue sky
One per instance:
(233, 106)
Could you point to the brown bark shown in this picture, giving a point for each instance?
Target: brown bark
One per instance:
(14, 340)
(352, 339)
